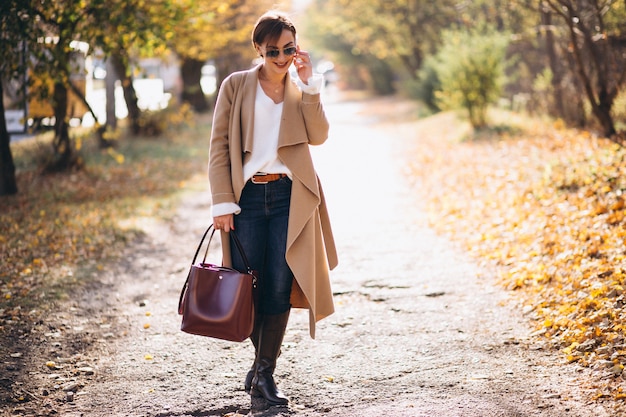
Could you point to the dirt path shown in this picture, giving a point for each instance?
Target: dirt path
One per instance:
(419, 330)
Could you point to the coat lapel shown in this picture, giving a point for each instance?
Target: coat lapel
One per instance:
(293, 142)
(247, 107)
(292, 129)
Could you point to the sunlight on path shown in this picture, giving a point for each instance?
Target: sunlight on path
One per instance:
(374, 216)
(358, 172)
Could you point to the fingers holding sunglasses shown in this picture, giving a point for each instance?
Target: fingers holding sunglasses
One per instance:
(303, 65)
(303, 57)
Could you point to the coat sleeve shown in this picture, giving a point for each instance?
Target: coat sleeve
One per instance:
(219, 156)
(314, 118)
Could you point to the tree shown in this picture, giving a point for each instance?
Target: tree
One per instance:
(597, 43)
(394, 35)
(8, 183)
(135, 28)
(113, 27)
(14, 35)
(63, 22)
(218, 30)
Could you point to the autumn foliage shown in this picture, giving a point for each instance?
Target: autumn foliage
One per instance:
(545, 205)
(62, 228)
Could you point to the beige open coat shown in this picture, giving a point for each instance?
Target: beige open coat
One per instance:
(311, 250)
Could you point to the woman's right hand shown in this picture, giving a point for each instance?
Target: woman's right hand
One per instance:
(225, 222)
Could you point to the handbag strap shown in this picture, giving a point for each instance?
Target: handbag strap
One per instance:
(201, 242)
(237, 244)
(241, 252)
(212, 229)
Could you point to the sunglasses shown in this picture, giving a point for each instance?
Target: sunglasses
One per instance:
(274, 53)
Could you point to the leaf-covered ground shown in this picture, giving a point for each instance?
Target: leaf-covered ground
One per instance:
(61, 229)
(541, 203)
(546, 206)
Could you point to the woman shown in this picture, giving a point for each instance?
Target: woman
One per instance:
(265, 188)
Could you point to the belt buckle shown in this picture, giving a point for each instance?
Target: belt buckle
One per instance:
(258, 182)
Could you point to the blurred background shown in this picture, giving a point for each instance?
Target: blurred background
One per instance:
(91, 63)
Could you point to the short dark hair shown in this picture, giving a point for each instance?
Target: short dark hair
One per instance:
(270, 26)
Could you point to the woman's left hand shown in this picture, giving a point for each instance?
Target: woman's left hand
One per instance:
(303, 65)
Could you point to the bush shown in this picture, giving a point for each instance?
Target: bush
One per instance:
(155, 123)
(425, 85)
(471, 69)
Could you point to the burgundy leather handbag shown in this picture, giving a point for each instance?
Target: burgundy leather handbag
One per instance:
(217, 301)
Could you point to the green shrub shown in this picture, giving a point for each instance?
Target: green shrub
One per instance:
(424, 86)
(471, 69)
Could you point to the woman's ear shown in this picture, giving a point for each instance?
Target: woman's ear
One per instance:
(258, 50)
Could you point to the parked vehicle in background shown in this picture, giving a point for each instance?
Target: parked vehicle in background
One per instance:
(40, 111)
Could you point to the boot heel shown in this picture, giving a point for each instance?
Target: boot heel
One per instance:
(258, 404)
(264, 386)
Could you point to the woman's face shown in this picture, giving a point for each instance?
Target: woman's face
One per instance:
(277, 56)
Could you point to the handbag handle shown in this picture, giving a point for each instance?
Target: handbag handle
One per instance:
(201, 242)
(249, 270)
(235, 239)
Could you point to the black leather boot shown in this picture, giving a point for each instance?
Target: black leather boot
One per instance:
(254, 337)
(271, 337)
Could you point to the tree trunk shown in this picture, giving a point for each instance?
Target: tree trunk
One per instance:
(191, 72)
(592, 58)
(109, 87)
(63, 154)
(557, 108)
(120, 63)
(602, 111)
(8, 183)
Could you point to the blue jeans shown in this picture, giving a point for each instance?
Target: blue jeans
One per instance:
(262, 230)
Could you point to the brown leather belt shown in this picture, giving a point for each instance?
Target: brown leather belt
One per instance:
(265, 178)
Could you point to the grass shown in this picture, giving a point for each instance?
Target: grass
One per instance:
(61, 226)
